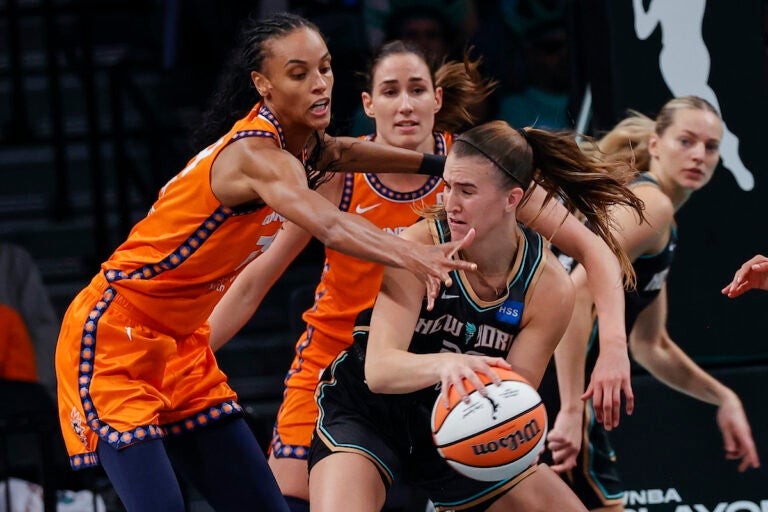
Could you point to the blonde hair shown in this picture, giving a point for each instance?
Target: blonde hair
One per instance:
(628, 141)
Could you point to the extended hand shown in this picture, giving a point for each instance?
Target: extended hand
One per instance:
(737, 434)
(752, 274)
(609, 379)
(564, 440)
(434, 263)
(457, 370)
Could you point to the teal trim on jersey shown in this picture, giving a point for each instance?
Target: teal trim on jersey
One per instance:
(592, 337)
(440, 231)
(672, 235)
(642, 178)
(522, 261)
(472, 303)
(516, 278)
(328, 435)
(597, 482)
(535, 265)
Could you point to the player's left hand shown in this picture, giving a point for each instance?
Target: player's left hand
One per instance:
(737, 434)
(609, 379)
(564, 440)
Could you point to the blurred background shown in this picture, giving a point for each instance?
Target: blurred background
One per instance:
(98, 101)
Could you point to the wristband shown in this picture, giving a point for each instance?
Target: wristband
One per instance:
(432, 165)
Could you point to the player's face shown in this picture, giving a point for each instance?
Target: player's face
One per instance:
(473, 197)
(403, 101)
(688, 151)
(297, 80)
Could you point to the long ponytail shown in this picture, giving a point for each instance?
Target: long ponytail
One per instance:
(552, 160)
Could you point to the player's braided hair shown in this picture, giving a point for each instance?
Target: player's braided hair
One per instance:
(236, 94)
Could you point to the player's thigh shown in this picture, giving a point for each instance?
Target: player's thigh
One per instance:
(542, 491)
(292, 476)
(346, 481)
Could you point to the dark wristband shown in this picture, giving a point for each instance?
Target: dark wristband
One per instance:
(432, 165)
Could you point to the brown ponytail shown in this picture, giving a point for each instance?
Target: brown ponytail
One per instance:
(463, 86)
(555, 162)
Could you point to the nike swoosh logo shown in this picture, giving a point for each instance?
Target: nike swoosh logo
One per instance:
(361, 210)
(128, 332)
(445, 296)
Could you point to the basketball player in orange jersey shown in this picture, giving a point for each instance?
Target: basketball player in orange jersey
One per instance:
(416, 108)
(752, 275)
(677, 154)
(133, 360)
(375, 399)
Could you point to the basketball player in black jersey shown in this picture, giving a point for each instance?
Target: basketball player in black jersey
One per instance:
(375, 399)
(678, 152)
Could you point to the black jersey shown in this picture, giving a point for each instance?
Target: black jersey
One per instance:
(393, 430)
(596, 479)
(651, 271)
(460, 321)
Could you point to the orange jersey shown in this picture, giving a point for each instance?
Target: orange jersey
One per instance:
(17, 355)
(179, 260)
(133, 359)
(349, 285)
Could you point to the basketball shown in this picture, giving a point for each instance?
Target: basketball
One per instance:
(491, 438)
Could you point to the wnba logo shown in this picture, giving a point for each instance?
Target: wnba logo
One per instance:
(528, 433)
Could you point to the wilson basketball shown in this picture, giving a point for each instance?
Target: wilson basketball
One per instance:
(491, 438)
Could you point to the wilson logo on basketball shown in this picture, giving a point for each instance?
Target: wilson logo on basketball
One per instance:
(512, 441)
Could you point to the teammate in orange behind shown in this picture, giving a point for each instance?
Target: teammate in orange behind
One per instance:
(751, 275)
(133, 360)
(17, 356)
(418, 108)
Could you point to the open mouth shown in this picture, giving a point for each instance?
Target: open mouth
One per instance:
(320, 107)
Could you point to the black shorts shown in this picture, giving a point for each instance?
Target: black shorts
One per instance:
(393, 432)
(595, 479)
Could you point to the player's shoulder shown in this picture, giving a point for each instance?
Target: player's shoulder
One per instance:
(421, 232)
(658, 206)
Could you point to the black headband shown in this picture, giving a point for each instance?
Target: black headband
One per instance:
(509, 173)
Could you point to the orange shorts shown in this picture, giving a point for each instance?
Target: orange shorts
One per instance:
(296, 418)
(124, 382)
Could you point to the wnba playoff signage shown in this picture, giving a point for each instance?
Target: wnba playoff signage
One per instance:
(670, 451)
(647, 500)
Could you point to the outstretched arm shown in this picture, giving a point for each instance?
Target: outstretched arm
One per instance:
(751, 275)
(645, 21)
(254, 169)
(611, 375)
(245, 295)
(653, 348)
(354, 155)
